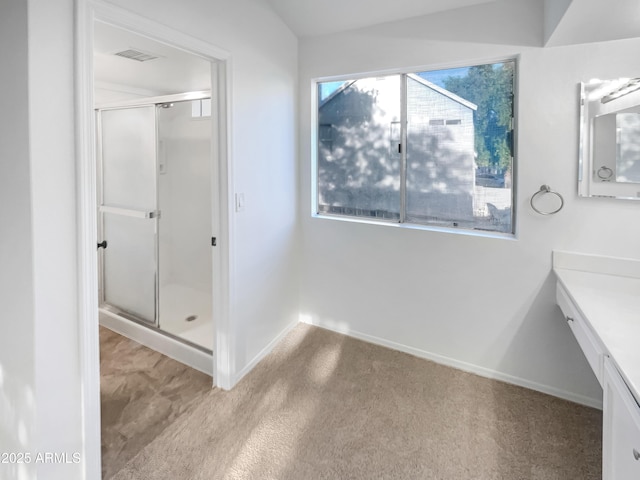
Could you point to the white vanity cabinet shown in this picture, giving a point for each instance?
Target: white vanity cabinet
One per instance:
(600, 299)
(621, 428)
(591, 347)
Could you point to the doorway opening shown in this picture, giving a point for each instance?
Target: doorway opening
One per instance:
(155, 191)
(92, 16)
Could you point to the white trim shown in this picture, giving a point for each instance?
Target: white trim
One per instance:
(220, 93)
(623, 267)
(153, 100)
(87, 239)
(86, 12)
(264, 352)
(414, 69)
(121, 18)
(464, 366)
(155, 340)
(415, 226)
(116, 87)
(224, 266)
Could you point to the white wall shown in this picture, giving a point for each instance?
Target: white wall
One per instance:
(418, 288)
(39, 344)
(185, 198)
(17, 359)
(486, 304)
(263, 64)
(53, 185)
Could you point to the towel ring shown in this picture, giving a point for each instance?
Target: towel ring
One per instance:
(544, 189)
(604, 173)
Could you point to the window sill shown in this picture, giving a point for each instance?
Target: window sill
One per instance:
(417, 226)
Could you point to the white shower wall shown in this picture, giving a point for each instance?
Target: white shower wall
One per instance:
(184, 200)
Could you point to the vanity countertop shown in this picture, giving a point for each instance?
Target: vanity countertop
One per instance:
(610, 303)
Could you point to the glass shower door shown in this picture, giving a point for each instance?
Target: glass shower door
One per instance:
(128, 212)
(185, 282)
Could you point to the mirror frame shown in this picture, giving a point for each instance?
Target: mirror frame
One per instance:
(599, 98)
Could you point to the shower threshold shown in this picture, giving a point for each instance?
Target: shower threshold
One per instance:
(150, 336)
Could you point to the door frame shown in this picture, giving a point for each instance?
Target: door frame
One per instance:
(86, 13)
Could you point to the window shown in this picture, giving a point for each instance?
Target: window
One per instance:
(430, 148)
(201, 108)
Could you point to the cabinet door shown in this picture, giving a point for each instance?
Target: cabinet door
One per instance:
(592, 349)
(621, 432)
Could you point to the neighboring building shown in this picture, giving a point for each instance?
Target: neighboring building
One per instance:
(359, 177)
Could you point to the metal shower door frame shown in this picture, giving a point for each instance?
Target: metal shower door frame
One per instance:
(152, 215)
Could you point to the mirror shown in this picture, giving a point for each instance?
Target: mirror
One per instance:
(610, 139)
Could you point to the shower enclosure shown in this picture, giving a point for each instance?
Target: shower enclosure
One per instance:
(155, 217)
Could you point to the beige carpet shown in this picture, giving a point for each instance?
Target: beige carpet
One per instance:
(324, 406)
(142, 393)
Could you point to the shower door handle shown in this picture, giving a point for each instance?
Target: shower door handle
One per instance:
(128, 212)
(103, 244)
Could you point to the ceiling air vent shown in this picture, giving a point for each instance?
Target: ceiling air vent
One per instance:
(136, 55)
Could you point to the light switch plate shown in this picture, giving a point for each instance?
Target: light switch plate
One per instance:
(240, 204)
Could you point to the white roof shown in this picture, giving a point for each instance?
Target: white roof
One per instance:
(443, 91)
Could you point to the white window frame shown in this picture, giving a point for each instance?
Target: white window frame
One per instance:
(403, 224)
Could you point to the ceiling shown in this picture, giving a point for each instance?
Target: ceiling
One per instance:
(586, 21)
(311, 17)
(117, 78)
(566, 22)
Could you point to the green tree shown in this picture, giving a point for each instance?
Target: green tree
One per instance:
(490, 87)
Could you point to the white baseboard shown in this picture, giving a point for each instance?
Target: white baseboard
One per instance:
(263, 353)
(168, 346)
(464, 366)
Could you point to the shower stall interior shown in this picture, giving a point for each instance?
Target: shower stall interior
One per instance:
(155, 218)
